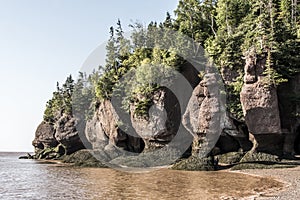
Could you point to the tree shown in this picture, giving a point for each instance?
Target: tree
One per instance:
(193, 19)
(61, 102)
(274, 38)
(122, 45)
(168, 23)
(224, 47)
(111, 49)
(138, 36)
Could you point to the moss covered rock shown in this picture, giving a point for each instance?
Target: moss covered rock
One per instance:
(194, 163)
(258, 161)
(230, 158)
(84, 158)
(51, 153)
(157, 158)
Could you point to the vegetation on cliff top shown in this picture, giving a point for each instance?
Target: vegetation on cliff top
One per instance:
(228, 30)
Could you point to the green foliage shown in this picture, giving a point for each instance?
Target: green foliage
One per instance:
(141, 84)
(272, 33)
(225, 47)
(226, 29)
(195, 19)
(61, 101)
(265, 25)
(142, 107)
(147, 48)
(73, 98)
(233, 97)
(84, 95)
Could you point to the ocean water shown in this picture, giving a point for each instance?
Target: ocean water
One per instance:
(30, 179)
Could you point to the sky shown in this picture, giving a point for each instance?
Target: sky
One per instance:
(42, 42)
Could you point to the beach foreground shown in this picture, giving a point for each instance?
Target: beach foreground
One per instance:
(289, 176)
(50, 180)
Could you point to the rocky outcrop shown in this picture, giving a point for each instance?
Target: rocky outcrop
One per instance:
(84, 158)
(65, 136)
(191, 117)
(272, 125)
(234, 136)
(153, 131)
(103, 131)
(206, 119)
(95, 133)
(68, 133)
(162, 122)
(289, 105)
(44, 137)
(194, 163)
(260, 106)
(202, 117)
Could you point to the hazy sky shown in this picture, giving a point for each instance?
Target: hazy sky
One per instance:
(42, 42)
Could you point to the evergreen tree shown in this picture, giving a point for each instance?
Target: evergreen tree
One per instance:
(61, 102)
(111, 49)
(122, 45)
(138, 36)
(193, 21)
(168, 23)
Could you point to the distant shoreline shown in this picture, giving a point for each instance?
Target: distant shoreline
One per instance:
(32, 152)
(22, 153)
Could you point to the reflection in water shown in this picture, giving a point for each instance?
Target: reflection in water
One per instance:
(168, 184)
(27, 179)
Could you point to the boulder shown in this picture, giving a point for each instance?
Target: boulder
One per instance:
(103, 131)
(28, 156)
(230, 158)
(84, 158)
(161, 124)
(260, 106)
(206, 119)
(194, 163)
(67, 133)
(51, 153)
(44, 137)
(95, 133)
(259, 160)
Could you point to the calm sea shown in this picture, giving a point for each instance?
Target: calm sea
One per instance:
(29, 179)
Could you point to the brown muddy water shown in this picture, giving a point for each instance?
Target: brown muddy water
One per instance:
(29, 179)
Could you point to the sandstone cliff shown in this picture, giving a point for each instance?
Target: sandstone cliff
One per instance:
(260, 107)
(62, 137)
(271, 121)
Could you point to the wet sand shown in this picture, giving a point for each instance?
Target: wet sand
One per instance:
(58, 180)
(289, 176)
(168, 184)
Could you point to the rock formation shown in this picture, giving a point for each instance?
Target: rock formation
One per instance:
(136, 132)
(163, 121)
(206, 119)
(63, 137)
(260, 106)
(103, 131)
(271, 121)
(289, 106)
(44, 137)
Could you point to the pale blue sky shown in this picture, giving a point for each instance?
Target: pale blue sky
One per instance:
(42, 42)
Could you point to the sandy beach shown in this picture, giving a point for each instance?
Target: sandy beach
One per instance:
(289, 176)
